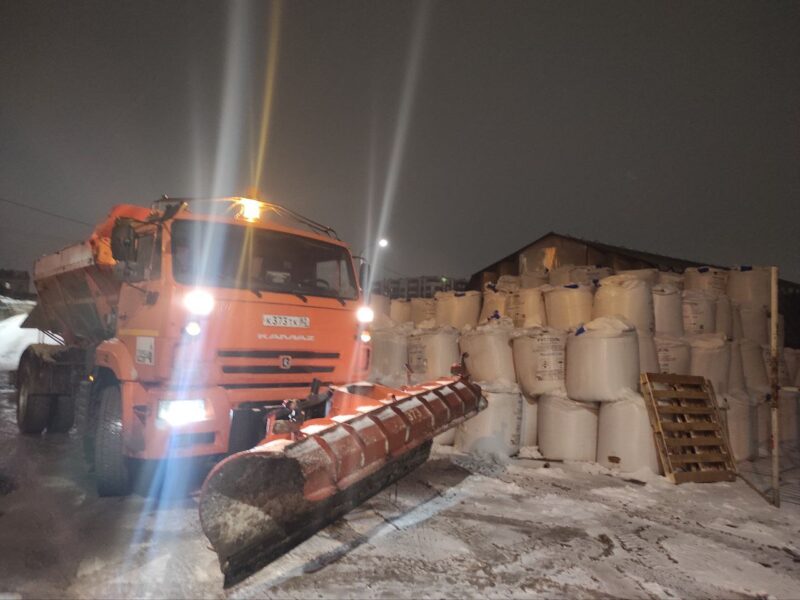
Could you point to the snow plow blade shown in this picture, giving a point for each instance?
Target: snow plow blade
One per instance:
(258, 504)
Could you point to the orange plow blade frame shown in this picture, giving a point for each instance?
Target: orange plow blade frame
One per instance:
(258, 504)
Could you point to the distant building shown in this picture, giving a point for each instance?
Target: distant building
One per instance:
(15, 284)
(417, 287)
(554, 249)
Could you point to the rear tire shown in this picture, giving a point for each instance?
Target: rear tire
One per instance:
(111, 466)
(62, 415)
(33, 410)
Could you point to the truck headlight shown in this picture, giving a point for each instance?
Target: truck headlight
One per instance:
(365, 314)
(180, 412)
(199, 302)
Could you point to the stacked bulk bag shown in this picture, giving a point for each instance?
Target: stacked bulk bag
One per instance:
(539, 360)
(755, 323)
(625, 436)
(567, 429)
(585, 274)
(389, 356)
(674, 354)
(432, 353)
(739, 422)
(628, 296)
(507, 283)
(723, 319)
(568, 306)
(529, 427)
(494, 304)
(711, 359)
(422, 310)
(755, 373)
(667, 308)
(380, 305)
(749, 285)
(561, 275)
(602, 360)
(783, 371)
(495, 431)
(457, 309)
(706, 279)
(699, 312)
(534, 279)
(400, 311)
(488, 352)
(526, 308)
(736, 380)
(648, 353)
(670, 278)
(649, 276)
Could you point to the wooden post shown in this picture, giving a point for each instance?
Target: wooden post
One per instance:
(774, 387)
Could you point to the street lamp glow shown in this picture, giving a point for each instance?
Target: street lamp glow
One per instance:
(383, 242)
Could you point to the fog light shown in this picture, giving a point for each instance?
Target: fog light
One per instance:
(199, 302)
(180, 412)
(365, 337)
(192, 328)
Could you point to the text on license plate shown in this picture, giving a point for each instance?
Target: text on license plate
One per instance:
(285, 321)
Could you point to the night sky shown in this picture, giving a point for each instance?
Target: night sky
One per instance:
(671, 127)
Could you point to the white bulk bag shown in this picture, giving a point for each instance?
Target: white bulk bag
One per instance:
(736, 380)
(526, 308)
(670, 278)
(755, 373)
(755, 323)
(723, 320)
(529, 427)
(674, 354)
(699, 312)
(534, 279)
(458, 309)
(625, 437)
(602, 360)
(568, 306)
(648, 353)
(667, 306)
(389, 356)
(567, 429)
(494, 305)
(628, 297)
(706, 279)
(711, 358)
(400, 311)
(432, 353)
(561, 275)
(749, 285)
(649, 276)
(507, 283)
(539, 357)
(488, 352)
(495, 431)
(422, 309)
(585, 274)
(379, 304)
(740, 429)
(763, 423)
(787, 407)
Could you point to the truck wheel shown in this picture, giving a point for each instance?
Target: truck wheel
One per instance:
(111, 467)
(62, 415)
(33, 410)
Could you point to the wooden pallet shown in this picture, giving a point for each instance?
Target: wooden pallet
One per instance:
(690, 435)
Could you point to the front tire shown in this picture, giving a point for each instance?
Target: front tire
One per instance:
(111, 466)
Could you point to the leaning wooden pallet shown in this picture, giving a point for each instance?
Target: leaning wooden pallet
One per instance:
(689, 432)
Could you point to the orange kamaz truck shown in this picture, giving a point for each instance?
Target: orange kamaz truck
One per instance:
(227, 329)
(181, 323)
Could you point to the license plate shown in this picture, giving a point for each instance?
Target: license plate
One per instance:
(286, 321)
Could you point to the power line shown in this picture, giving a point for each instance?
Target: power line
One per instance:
(22, 233)
(45, 212)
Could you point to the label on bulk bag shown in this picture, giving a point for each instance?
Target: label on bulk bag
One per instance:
(697, 317)
(550, 365)
(417, 361)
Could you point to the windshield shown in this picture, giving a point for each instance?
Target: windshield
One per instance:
(238, 256)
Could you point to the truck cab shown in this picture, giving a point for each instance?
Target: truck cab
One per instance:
(204, 316)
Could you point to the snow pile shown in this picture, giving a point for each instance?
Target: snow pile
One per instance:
(14, 340)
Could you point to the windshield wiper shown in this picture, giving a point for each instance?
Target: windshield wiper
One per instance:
(301, 296)
(256, 291)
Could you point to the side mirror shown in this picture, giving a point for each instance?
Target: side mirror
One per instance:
(363, 275)
(123, 241)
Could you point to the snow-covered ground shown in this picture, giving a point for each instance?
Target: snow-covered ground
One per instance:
(456, 527)
(14, 339)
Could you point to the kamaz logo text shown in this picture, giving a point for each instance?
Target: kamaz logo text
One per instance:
(286, 337)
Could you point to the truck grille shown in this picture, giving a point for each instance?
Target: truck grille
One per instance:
(242, 368)
(273, 370)
(275, 354)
